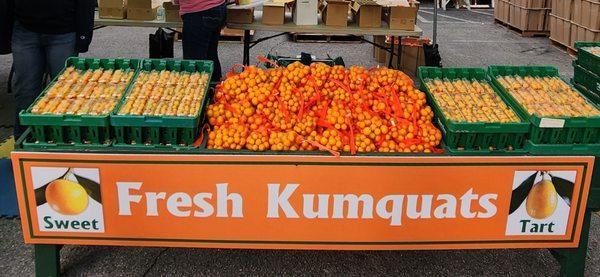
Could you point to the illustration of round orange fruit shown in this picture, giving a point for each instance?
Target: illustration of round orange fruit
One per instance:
(66, 197)
(542, 199)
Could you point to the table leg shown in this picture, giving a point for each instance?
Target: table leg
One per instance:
(391, 52)
(572, 260)
(399, 60)
(246, 59)
(47, 260)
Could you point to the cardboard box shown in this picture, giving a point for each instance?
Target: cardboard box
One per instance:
(402, 18)
(590, 14)
(112, 13)
(413, 56)
(144, 4)
(141, 13)
(335, 13)
(240, 16)
(305, 12)
(112, 9)
(378, 53)
(273, 13)
(142, 9)
(171, 12)
(368, 13)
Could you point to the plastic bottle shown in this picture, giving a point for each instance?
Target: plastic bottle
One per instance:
(160, 14)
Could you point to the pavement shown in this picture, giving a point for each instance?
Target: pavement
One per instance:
(466, 39)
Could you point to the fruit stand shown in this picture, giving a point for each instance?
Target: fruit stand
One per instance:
(308, 157)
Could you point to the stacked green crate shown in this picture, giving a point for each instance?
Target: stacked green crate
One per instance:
(60, 130)
(586, 69)
(170, 132)
(473, 137)
(552, 135)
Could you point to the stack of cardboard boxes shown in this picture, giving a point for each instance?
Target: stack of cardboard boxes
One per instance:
(136, 9)
(171, 12)
(413, 55)
(335, 13)
(112, 9)
(575, 20)
(142, 9)
(525, 15)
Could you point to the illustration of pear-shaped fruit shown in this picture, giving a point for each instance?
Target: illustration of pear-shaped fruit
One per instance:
(542, 199)
(66, 197)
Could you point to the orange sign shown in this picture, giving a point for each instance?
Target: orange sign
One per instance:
(302, 202)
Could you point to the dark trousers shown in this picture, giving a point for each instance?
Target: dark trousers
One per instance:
(201, 31)
(33, 55)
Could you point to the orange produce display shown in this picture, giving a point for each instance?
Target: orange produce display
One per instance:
(318, 107)
(594, 50)
(84, 92)
(166, 93)
(548, 96)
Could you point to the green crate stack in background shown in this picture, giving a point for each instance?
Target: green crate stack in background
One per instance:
(579, 135)
(585, 58)
(473, 137)
(586, 70)
(172, 132)
(52, 130)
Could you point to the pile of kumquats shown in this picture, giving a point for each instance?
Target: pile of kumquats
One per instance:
(321, 107)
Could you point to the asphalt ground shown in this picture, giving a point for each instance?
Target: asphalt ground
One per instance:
(465, 38)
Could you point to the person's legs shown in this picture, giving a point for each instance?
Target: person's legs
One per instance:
(195, 37)
(213, 55)
(201, 32)
(58, 48)
(29, 62)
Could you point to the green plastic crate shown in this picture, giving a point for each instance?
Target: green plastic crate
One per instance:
(476, 137)
(141, 131)
(578, 130)
(586, 78)
(75, 130)
(586, 59)
(590, 95)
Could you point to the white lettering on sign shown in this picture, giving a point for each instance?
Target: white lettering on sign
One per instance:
(284, 202)
(180, 204)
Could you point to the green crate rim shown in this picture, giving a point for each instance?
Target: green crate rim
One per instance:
(590, 78)
(585, 58)
(466, 127)
(161, 121)
(570, 122)
(562, 149)
(27, 118)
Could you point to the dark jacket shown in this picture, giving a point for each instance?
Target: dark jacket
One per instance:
(58, 17)
(6, 25)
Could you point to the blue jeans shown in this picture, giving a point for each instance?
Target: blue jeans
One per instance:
(201, 32)
(33, 55)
